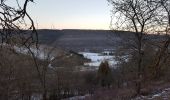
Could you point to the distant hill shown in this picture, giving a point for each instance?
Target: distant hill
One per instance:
(85, 40)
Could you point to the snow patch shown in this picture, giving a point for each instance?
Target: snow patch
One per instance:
(77, 97)
(163, 94)
(39, 53)
(97, 58)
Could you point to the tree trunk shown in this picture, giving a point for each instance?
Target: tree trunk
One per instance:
(45, 95)
(139, 74)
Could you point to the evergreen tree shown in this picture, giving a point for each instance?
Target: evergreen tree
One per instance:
(104, 74)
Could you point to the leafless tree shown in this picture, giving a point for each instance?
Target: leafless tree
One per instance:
(49, 54)
(164, 26)
(14, 23)
(17, 26)
(139, 17)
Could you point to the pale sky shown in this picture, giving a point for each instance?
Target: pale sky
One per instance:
(70, 14)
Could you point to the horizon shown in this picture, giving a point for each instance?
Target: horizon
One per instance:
(74, 29)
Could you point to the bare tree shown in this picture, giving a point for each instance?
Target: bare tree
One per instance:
(139, 17)
(164, 26)
(14, 23)
(17, 27)
(48, 56)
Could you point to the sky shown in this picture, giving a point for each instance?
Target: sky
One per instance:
(70, 14)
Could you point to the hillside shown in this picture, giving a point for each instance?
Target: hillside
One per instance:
(83, 40)
(88, 40)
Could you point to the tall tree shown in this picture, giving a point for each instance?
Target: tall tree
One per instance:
(164, 26)
(139, 17)
(16, 27)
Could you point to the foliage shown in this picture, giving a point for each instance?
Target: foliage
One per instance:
(104, 74)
